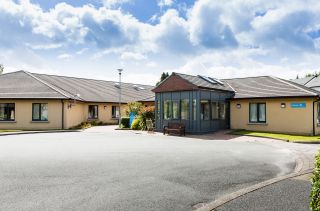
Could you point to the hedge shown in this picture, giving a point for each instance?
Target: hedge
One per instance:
(125, 122)
(315, 191)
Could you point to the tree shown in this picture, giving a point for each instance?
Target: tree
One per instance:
(297, 76)
(315, 74)
(1, 68)
(163, 77)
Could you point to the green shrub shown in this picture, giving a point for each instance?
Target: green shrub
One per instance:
(125, 122)
(315, 191)
(136, 124)
(133, 107)
(82, 125)
(146, 113)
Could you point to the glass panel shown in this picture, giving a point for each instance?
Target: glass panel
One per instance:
(44, 112)
(185, 109)
(253, 112)
(214, 110)
(158, 109)
(222, 110)
(175, 110)
(262, 112)
(93, 112)
(117, 112)
(3, 112)
(166, 109)
(194, 109)
(205, 110)
(318, 113)
(36, 112)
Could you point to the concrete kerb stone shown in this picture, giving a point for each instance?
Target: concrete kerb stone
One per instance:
(37, 132)
(304, 165)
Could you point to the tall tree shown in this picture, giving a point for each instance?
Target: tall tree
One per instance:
(164, 75)
(1, 68)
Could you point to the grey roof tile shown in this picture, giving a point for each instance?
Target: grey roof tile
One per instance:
(303, 81)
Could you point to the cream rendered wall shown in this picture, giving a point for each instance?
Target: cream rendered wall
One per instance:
(79, 113)
(282, 120)
(23, 115)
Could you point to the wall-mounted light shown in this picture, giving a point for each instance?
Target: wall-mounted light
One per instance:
(238, 106)
(105, 107)
(283, 105)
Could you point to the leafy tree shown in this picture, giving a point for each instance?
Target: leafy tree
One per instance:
(1, 68)
(316, 74)
(163, 77)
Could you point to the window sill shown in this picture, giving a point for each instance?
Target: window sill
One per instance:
(8, 121)
(258, 123)
(40, 122)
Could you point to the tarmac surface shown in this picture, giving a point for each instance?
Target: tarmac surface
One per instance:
(103, 169)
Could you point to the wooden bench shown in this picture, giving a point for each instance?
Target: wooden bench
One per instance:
(174, 127)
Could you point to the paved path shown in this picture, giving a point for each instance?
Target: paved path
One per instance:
(287, 195)
(103, 169)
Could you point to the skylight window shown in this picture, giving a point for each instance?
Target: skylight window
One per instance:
(211, 80)
(138, 88)
(117, 85)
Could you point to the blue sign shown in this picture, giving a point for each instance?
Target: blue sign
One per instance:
(132, 117)
(298, 105)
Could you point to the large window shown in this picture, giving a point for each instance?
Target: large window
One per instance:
(158, 109)
(222, 110)
(185, 109)
(93, 112)
(166, 109)
(175, 109)
(205, 110)
(115, 112)
(194, 109)
(257, 113)
(7, 111)
(214, 110)
(39, 112)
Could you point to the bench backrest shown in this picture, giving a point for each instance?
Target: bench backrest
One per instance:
(174, 125)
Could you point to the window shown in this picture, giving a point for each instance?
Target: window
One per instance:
(194, 110)
(7, 111)
(93, 112)
(39, 112)
(158, 109)
(214, 110)
(175, 109)
(222, 110)
(257, 113)
(185, 109)
(166, 109)
(115, 112)
(205, 110)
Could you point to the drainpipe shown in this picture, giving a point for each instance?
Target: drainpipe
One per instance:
(313, 120)
(62, 116)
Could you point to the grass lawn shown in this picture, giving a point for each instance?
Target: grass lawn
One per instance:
(286, 137)
(7, 131)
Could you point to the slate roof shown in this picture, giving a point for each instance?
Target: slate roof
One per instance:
(23, 84)
(254, 87)
(268, 87)
(310, 82)
(200, 82)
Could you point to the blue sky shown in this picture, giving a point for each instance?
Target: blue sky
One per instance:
(223, 39)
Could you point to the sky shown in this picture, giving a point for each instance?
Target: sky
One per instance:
(221, 39)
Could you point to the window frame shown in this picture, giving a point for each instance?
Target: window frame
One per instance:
(187, 111)
(95, 118)
(178, 109)
(116, 109)
(40, 112)
(167, 107)
(258, 113)
(6, 110)
(202, 111)
(194, 109)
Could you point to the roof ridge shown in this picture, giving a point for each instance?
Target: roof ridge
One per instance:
(311, 79)
(303, 89)
(46, 83)
(90, 79)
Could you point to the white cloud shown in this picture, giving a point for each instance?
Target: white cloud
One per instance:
(165, 3)
(132, 56)
(44, 46)
(112, 3)
(65, 56)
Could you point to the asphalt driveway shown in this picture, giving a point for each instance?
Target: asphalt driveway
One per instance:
(121, 170)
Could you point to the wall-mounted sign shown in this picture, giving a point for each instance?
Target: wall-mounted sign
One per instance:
(298, 105)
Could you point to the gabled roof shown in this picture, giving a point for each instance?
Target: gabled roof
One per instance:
(303, 81)
(62, 87)
(268, 87)
(312, 82)
(23, 85)
(250, 87)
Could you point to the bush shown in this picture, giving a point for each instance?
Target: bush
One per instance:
(315, 191)
(133, 107)
(136, 124)
(125, 122)
(82, 125)
(146, 113)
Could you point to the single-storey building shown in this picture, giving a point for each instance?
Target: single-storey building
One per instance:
(33, 101)
(205, 104)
